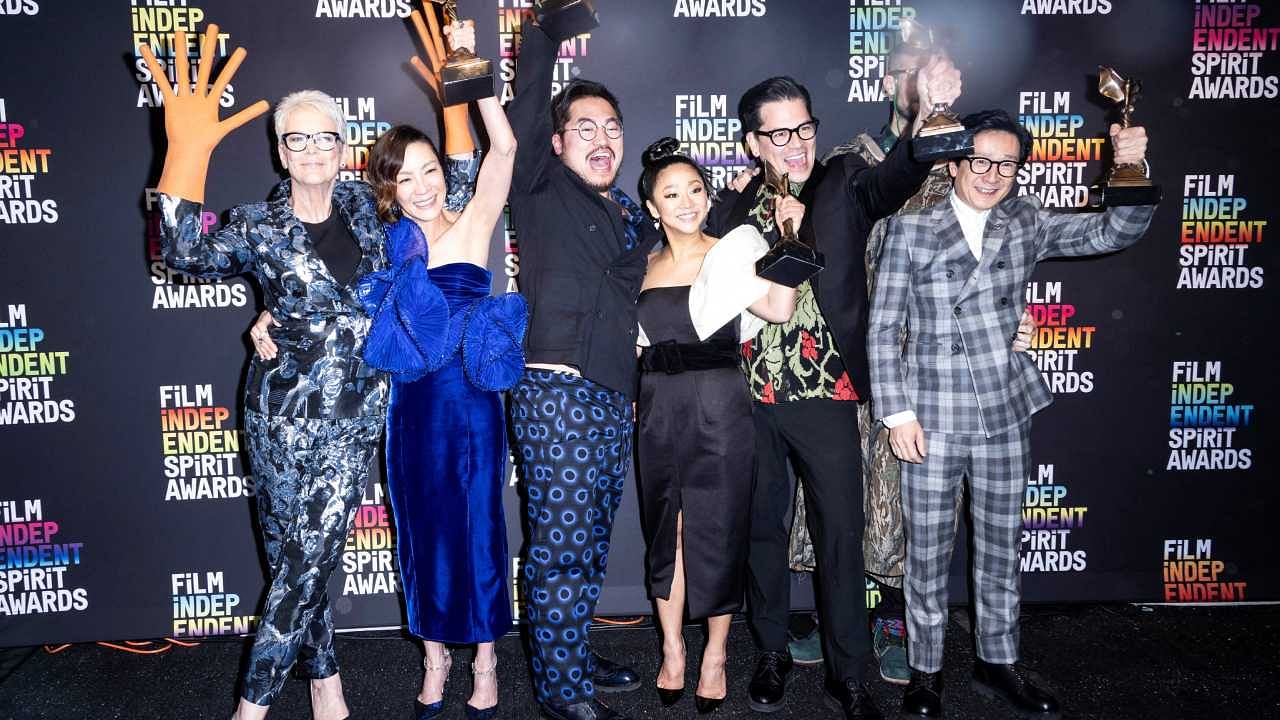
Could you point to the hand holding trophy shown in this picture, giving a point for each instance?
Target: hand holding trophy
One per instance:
(1126, 182)
(941, 136)
(464, 77)
(790, 261)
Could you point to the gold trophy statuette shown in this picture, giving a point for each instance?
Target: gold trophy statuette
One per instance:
(1125, 184)
(790, 261)
(563, 19)
(942, 136)
(464, 77)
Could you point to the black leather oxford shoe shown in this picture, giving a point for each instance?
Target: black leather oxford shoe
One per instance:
(769, 682)
(587, 710)
(851, 698)
(1011, 684)
(923, 697)
(610, 676)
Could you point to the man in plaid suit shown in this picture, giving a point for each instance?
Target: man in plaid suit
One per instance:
(958, 401)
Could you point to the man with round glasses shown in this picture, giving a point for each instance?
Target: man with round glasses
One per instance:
(806, 376)
(584, 246)
(958, 400)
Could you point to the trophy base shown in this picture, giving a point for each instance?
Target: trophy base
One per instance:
(791, 265)
(564, 19)
(467, 80)
(1116, 195)
(947, 145)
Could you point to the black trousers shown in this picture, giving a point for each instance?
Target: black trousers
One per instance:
(820, 439)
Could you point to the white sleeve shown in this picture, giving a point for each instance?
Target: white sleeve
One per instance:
(899, 418)
(727, 284)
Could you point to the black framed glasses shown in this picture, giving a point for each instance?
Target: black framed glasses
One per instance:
(980, 165)
(297, 142)
(782, 136)
(587, 129)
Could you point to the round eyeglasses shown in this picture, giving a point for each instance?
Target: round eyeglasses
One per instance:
(586, 129)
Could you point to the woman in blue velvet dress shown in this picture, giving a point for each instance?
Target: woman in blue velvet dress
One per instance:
(451, 348)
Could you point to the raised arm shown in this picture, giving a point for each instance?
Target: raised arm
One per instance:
(887, 187)
(494, 180)
(193, 131)
(530, 111)
(191, 122)
(462, 159)
(1074, 234)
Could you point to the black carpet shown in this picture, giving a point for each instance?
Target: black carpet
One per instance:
(1103, 661)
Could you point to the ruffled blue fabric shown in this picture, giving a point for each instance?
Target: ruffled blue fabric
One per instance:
(493, 341)
(415, 329)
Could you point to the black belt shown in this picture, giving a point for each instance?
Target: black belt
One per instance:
(672, 357)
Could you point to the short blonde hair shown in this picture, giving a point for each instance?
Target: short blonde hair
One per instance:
(316, 100)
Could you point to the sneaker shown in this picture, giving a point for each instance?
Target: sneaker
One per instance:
(807, 650)
(889, 641)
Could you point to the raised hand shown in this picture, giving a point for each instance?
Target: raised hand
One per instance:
(937, 83)
(191, 121)
(457, 128)
(1129, 144)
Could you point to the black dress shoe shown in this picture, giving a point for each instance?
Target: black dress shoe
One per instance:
(586, 710)
(1010, 683)
(609, 676)
(769, 682)
(851, 698)
(923, 697)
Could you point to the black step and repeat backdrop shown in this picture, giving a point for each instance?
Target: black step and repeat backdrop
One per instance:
(126, 498)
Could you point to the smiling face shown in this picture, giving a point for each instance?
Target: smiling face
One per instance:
(985, 191)
(796, 158)
(311, 167)
(597, 160)
(420, 190)
(680, 199)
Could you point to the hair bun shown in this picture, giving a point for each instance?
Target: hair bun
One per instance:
(662, 148)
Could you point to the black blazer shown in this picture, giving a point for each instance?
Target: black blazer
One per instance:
(575, 272)
(843, 199)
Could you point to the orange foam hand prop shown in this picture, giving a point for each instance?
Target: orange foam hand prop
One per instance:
(457, 123)
(191, 121)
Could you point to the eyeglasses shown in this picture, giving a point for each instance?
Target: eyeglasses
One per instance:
(586, 129)
(782, 136)
(980, 165)
(903, 71)
(297, 141)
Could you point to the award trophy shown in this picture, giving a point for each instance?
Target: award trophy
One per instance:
(1125, 184)
(464, 77)
(789, 262)
(941, 137)
(563, 19)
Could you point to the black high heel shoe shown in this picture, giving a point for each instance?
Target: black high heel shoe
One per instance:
(425, 711)
(668, 696)
(489, 713)
(706, 705)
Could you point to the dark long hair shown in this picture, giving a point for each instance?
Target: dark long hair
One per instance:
(386, 158)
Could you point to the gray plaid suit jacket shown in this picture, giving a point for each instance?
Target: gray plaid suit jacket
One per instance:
(959, 315)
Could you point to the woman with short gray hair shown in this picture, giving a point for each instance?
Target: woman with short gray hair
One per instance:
(314, 413)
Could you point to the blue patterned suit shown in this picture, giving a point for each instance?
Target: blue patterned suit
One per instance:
(972, 394)
(313, 416)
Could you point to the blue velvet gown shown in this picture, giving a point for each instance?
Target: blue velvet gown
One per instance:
(446, 452)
